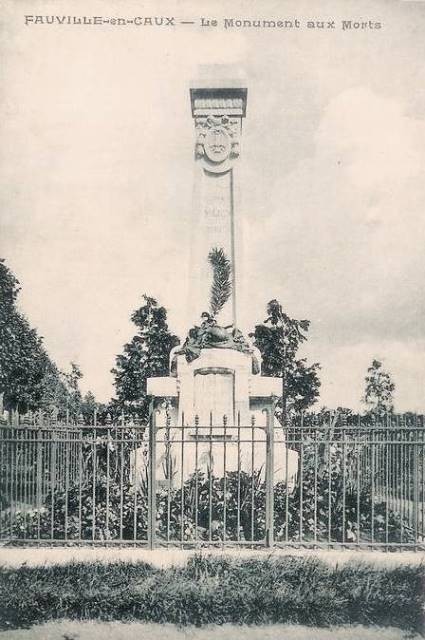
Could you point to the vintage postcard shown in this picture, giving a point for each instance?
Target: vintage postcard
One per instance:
(212, 319)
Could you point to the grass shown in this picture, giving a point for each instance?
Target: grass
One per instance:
(216, 590)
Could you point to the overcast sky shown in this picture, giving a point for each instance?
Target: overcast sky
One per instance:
(96, 168)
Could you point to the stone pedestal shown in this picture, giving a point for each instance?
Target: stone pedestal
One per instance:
(219, 384)
(223, 407)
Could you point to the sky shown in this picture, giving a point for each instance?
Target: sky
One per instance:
(97, 178)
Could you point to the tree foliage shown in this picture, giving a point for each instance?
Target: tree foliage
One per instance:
(146, 355)
(379, 390)
(278, 338)
(89, 406)
(29, 379)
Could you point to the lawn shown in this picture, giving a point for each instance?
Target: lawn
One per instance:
(216, 590)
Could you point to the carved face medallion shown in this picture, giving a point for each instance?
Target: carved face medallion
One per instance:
(217, 144)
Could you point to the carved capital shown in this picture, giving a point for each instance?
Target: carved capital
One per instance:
(217, 138)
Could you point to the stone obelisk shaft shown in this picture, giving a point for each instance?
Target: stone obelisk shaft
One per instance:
(217, 109)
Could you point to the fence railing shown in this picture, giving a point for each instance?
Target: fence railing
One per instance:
(314, 483)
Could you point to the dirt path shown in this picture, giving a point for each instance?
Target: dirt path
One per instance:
(67, 630)
(36, 556)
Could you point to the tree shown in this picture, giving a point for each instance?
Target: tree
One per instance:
(278, 338)
(88, 407)
(379, 390)
(71, 380)
(146, 355)
(9, 289)
(22, 357)
(29, 380)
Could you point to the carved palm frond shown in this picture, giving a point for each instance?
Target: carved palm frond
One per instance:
(221, 287)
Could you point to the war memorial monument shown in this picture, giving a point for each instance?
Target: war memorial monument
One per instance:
(215, 403)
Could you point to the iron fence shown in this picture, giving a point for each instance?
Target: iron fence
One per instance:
(315, 483)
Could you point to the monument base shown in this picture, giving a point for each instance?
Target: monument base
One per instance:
(212, 416)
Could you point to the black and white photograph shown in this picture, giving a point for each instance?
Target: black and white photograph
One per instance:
(212, 320)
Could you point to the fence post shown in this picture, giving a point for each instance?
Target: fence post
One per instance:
(152, 482)
(415, 485)
(39, 474)
(270, 478)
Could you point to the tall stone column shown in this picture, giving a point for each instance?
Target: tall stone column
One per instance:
(218, 109)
